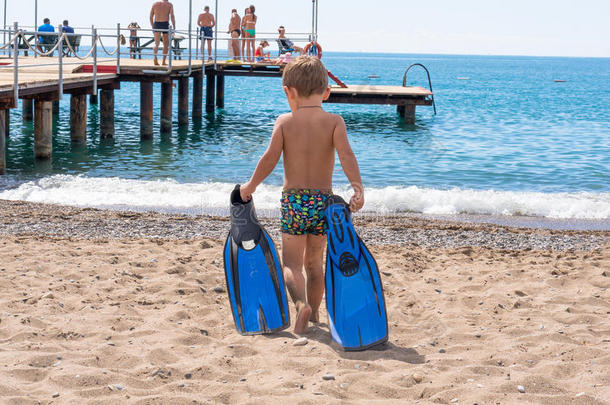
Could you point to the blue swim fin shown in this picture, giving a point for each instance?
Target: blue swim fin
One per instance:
(354, 295)
(255, 282)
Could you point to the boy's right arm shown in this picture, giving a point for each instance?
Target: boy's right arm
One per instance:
(349, 164)
(267, 162)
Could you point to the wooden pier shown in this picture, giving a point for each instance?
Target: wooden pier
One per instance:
(40, 93)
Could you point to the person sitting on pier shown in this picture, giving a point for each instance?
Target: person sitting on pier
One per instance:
(66, 28)
(133, 38)
(45, 39)
(160, 15)
(235, 32)
(207, 23)
(260, 54)
(286, 45)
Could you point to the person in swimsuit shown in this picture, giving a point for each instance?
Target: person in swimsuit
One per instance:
(207, 22)
(133, 39)
(235, 32)
(308, 138)
(243, 32)
(260, 55)
(160, 15)
(286, 43)
(249, 27)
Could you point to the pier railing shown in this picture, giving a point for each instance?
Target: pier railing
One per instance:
(112, 44)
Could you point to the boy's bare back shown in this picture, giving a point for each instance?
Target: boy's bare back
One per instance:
(308, 147)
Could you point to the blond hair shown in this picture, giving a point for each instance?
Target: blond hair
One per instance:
(307, 75)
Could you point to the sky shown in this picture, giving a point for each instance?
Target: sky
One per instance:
(484, 27)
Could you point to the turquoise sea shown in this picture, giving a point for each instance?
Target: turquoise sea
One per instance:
(509, 141)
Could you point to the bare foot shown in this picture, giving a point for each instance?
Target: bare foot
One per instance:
(302, 322)
(315, 317)
(156, 62)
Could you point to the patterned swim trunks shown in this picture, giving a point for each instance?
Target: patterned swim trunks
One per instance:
(303, 211)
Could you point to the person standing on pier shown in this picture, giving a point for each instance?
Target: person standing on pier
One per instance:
(160, 15)
(207, 23)
(133, 28)
(235, 32)
(249, 24)
(243, 33)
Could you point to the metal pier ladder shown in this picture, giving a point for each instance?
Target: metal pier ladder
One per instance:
(404, 81)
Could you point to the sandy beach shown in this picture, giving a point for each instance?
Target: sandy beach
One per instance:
(106, 307)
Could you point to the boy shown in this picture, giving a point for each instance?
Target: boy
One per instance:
(207, 22)
(308, 138)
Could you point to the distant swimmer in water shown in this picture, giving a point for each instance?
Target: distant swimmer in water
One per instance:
(160, 15)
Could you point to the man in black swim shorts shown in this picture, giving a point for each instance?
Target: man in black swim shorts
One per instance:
(207, 22)
(160, 15)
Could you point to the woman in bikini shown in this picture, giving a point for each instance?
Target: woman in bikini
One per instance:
(249, 24)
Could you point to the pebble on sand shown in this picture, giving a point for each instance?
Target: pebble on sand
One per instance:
(521, 389)
(417, 378)
(328, 377)
(56, 395)
(219, 289)
(300, 342)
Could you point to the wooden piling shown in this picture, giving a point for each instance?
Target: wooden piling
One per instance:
(2, 141)
(210, 84)
(400, 109)
(183, 101)
(78, 118)
(56, 107)
(93, 99)
(43, 129)
(7, 123)
(197, 95)
(107, 113)
(146, 110)
(409, 114)
(27, 108)
(166, 107)
(220, 91)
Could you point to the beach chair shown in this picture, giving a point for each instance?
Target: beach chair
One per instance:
(74, 41)
(283, 48)
(47, 41)
(21, 45)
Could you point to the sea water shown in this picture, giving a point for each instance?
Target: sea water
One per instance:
(508, 141)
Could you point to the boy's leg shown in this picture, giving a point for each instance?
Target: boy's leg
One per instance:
(314, 255)
(293, 250)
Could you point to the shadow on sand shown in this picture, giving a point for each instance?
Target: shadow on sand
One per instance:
(388, 351)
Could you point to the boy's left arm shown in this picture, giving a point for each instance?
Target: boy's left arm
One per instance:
(267, 162)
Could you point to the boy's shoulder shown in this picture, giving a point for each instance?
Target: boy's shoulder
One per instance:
(322, 114)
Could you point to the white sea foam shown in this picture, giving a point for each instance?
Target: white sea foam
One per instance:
(209, 197)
